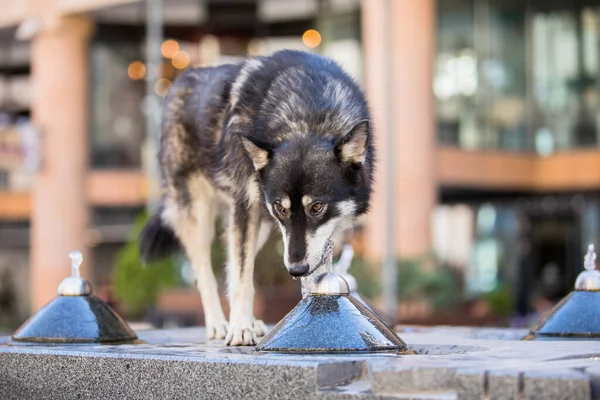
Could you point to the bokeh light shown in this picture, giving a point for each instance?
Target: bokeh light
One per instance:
(311, 38)
(181, 59)
(161, 87)
(169, 48)
(136, 70)
(165, 70)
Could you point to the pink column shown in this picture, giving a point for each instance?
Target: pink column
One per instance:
(413, 120)
(59, 63)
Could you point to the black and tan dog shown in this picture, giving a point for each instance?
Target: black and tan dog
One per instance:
(282, 140)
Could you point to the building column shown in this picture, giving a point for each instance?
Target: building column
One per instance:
(410, 51)
(59, 73)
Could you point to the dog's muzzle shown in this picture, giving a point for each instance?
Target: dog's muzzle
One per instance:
(298, 270)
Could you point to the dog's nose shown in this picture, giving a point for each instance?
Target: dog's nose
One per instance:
(298, 269)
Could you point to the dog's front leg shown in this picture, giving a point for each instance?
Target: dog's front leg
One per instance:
(244, 223)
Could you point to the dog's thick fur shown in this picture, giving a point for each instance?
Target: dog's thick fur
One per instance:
(281, 140)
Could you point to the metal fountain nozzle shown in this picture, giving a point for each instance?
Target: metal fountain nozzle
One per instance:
(590, 278)
(75, 285)
(330, 283)
(328, 277)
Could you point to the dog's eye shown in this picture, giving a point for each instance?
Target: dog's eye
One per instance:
(280, 209)
(316, 208)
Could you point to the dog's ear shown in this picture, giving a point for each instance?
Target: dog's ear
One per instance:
(260, 153)
(352, 148)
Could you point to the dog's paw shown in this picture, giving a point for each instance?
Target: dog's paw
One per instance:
(240, 335)
(259, 327)
(216, 331)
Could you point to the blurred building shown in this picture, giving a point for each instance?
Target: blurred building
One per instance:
(493, 104)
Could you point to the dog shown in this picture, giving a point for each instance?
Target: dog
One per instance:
(281, 141)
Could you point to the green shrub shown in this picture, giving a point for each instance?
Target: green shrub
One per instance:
(367, 277)
(500, 300)
(137, 285)
(439, 285)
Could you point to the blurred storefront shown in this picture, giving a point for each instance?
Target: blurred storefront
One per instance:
(517, 102)
(495, 111)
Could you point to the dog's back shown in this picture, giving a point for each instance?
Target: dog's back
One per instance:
(268, 98)
(193, 117)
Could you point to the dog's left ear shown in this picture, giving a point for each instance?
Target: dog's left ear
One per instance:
(352, 148)
(259, 152)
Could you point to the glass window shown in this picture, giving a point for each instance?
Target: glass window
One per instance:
(455, 71)
(503, 84)
(518, 75)
(117, 120)
(565, 77)
(480, 82)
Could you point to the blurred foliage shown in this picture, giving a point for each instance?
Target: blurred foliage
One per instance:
(269, 269)
(500, 300)
(218, 256)
(9, 318)
(137, 285)
(367, 277)
(440, 285)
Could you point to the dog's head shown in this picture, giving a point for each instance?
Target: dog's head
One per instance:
(313, 186)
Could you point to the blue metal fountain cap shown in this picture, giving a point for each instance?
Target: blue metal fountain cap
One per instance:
(331, 323)
(75, 316)
(577, 316)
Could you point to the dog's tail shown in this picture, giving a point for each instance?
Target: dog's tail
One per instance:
(157, 240)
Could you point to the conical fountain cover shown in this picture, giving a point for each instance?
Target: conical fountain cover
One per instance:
(577, 316)
(330, 324)
(75, 316)
(330, 320)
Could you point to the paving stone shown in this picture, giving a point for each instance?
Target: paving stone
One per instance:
(470, 384)
(503, 385)
(594, 377)
(549, 385)
(341, 373)
(413, 379)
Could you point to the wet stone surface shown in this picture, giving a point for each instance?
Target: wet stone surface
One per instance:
(453, 363)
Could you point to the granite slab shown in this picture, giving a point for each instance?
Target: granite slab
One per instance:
(452, 363)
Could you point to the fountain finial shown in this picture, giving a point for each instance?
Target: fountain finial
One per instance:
(75, 285)
(76, 260)
(590, 278)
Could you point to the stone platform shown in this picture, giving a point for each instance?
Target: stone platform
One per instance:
(454, 363)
